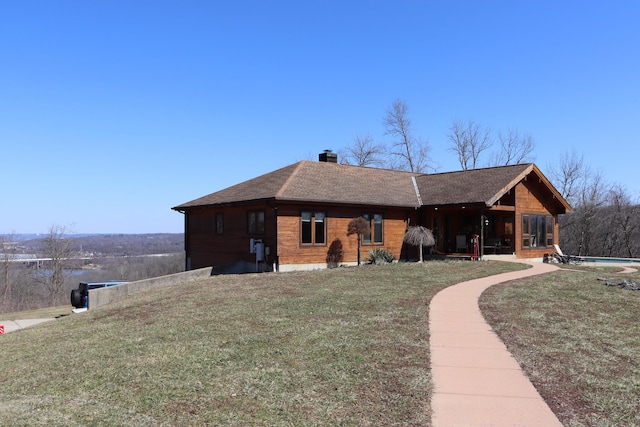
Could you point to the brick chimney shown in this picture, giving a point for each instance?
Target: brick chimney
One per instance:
(328, 156)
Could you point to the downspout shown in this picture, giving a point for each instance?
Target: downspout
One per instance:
(187, 261)
(417, 212)
(276, 261)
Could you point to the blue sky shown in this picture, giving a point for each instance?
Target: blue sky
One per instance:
(113, 112)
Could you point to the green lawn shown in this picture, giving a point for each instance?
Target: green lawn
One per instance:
(336, 347)
(578, 341)
(347, 346)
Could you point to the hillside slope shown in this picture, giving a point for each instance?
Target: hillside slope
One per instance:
(334, 347)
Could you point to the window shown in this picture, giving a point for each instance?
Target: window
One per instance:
(549, 231)
(219, 223)
(537, 231)
(525, 231)
(313, 228)
(375, 222)
(255, 222)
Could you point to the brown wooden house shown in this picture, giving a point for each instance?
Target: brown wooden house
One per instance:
(296, 217)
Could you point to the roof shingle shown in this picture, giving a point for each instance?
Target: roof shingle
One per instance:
(323, 182)
(470, 186)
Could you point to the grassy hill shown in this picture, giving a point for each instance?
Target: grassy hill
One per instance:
(577, 340)
(333, 347)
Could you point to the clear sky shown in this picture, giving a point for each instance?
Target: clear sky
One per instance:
(112, 112)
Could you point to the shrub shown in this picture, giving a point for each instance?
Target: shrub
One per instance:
(380, 256)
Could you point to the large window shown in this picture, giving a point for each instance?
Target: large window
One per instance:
(314, 228)
(375, 222)
(537, 231)
(255, 222)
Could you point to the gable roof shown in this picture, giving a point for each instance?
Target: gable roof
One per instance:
(323, 182)
(469, 186)
(480, 186)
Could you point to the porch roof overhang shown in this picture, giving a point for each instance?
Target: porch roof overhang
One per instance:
(483, 188)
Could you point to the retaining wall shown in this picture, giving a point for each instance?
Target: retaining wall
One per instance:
(103, 296)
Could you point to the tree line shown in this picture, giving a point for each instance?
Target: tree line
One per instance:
(26, 286)
(605, 220)
(406, 150)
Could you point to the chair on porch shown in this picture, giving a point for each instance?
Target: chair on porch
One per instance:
(461, 243)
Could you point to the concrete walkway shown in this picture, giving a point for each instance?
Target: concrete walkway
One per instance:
(14, 325)
(477, 382)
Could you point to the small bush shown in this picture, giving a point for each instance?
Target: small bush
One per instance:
(380, 256)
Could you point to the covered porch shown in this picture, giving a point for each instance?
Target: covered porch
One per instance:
(456, 228)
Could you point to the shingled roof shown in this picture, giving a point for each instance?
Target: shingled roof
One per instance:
(323, 182)
(473, 186)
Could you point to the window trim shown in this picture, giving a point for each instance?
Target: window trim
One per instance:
(313, 223)
(537, 231)
(257, 226)
(370, 239)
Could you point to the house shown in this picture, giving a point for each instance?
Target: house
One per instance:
(296, 217)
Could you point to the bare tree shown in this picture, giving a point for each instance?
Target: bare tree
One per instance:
(410, 152)
(592, 198)
(363, 152)
(469, 141)
(358, 226)
(16, 279)
(418, 235)
(625, 220)
(7, 252)
(605, 221)
(57, 247)
(569, 174)
(515, 148)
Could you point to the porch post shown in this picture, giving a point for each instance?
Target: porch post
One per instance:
(481, 242)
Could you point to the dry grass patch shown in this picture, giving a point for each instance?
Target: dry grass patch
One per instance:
(333, 347)
(577, 340)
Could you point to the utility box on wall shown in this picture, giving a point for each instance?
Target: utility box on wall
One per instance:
(259, 251)
(256, 246)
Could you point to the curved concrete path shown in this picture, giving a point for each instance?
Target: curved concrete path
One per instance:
(476, 380)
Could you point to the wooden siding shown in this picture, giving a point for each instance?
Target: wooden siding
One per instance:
(282, 234)
(204, 247)
(531, 198)
(292, 251)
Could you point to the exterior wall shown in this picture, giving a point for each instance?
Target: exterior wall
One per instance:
(205, 247)
(531, 198)
(292, 252)
(282, 229)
